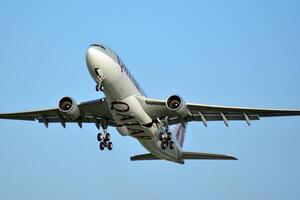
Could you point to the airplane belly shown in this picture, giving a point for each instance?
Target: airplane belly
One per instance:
(131, 117)
(129, 114)
(153, 146)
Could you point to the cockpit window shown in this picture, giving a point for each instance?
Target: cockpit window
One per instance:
(98, 45)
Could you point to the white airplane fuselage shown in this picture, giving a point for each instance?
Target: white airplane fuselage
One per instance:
(122, 93)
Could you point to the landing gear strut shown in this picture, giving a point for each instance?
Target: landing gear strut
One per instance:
(104, 138)
(100, 78)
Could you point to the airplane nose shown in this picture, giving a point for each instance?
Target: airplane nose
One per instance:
(93, 50)
(91, 55)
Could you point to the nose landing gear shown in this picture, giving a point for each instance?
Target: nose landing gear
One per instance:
(99, 87)
(100, 77)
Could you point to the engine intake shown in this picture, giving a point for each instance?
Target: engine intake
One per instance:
(176, 104)
(69, 108)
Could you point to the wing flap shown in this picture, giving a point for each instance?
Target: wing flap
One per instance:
(6, 116)
(83, 119)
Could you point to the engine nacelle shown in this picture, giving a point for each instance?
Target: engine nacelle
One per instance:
(123, 130)
(176, 104)
(69, 108)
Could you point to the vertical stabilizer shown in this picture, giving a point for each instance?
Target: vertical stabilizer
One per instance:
(179, 131)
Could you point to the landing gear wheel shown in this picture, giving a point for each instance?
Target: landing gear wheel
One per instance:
(107, 137)
(163, 145)
(171, 145)
(99, 87)
(169, 136)
(102, 146)
(161, 136)
(110, 146)
(100, 137)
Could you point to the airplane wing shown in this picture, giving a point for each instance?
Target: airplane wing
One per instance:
(90, 112)
(201, 112)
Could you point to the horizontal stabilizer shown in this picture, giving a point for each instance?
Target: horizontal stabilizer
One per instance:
(205, 156)
(148, 156)
(187, 156)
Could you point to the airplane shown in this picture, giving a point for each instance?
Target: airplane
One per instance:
(159, 125)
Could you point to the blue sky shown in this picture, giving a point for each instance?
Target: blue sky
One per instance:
(241, 53)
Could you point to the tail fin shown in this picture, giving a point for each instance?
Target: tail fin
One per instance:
(179, 131)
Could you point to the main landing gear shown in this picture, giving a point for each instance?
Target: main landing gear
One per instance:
(165, 136)
(166, 140)
(104, 138)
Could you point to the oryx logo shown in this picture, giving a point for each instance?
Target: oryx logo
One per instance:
(120, 106)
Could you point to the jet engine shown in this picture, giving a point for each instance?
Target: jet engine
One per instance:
(69, 108)
(176, 104)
